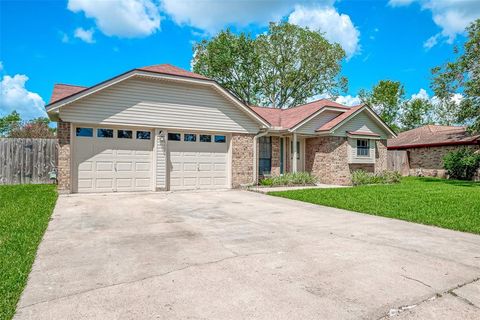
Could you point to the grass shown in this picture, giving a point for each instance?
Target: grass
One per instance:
(450, 204)
(24, 214)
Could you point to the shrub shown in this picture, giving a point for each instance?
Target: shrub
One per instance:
(361, 177)
(266, 182)
(462, 163)
(290, 179)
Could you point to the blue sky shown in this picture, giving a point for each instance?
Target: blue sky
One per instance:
(86, 41)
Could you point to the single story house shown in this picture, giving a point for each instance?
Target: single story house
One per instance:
(423, 148)
(164, 128)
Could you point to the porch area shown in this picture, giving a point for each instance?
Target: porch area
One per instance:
(331, 159)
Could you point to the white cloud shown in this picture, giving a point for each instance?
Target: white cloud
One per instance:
(431, 42)
(348, 100)
(212, 16)
(337, 27)
(452, 16)
(15, 96)
(422, 94)
(84, 35)
(399, 3)
(122, 18)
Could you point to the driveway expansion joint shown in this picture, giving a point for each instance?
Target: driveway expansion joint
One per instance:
(396, 311)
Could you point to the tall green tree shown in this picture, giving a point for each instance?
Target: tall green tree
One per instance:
(8, 122)
(462, 76)
(231, 60)
(282, 68)
(416, 113)
(386, 98)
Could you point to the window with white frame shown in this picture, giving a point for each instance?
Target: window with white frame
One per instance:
(363, 148)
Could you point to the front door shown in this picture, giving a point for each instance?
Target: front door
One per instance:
(300, 146)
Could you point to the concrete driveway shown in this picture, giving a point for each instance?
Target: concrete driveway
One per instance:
(243, 255)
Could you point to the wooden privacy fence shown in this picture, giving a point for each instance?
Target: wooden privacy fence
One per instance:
(397, 160)
(27, 160)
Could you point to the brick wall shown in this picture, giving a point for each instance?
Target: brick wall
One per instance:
(64, 170)
(380, 155)
(275, 156)
(242, 159)
(327, 159)
(429, 161)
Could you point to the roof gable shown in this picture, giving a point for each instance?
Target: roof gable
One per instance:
(359, 118)
(165, 71)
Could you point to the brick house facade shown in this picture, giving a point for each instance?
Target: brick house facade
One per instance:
(327, 159)
(180, 139)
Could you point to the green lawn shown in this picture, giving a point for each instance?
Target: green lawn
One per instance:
(444, 203)
(24, 214)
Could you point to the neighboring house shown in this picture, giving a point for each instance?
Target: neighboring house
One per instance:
(165, 128)
(424, 148)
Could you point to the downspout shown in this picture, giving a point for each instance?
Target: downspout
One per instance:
(255, 161)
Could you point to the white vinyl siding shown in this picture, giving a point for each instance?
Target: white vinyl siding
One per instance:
(161, 104)
(353, 156)
(360, 122)
(318, 121)
(161, 161)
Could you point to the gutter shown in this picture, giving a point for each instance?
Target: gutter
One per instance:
(255, 163)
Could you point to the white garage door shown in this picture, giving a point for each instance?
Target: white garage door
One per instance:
(111, 160)
(198, 161)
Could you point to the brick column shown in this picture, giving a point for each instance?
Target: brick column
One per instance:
(64, 170)
(242, 159)
(380, 155)
(275, 156)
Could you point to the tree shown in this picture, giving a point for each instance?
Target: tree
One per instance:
(8, 122)
(282, 68)
(386, 98)
(232, 61)
(445, 111)
(36, 128)
(416, 113)
(462, 76)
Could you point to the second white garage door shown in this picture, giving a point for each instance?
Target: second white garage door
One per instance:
(198, 161)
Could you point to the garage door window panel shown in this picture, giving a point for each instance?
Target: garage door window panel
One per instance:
(124, 134)
(105, 133)
(220, 139)
(174, 137)
(205, 138)
(143, 135)
(84, 132)
(189, 137)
